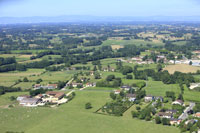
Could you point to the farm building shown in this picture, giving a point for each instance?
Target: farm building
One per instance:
(29, 102)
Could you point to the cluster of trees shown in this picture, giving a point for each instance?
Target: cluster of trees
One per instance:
(111, 81)
(164, 121)
(41, 54)
(5, 61)
(93, 43)
(117, 107)
(144, 114)
(164, 76)
(190, 127)
(38, 91)
(4, 89)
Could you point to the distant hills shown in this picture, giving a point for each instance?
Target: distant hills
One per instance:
(58, 19)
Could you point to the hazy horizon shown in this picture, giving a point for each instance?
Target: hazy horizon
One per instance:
(128, 8)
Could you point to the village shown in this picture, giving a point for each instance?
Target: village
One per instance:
(162, 58)
(163, 110)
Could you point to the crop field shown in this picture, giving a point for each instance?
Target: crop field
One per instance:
(131, 42)
(181, 68)
(19, 57)
(67, 117)
(116, 47)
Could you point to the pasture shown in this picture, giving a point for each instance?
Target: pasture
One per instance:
(67, 117)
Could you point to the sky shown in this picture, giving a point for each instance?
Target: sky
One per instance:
(28, 8)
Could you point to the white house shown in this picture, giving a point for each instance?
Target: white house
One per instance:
(194, 85)
(131, 97)
(149, 98)
(178, 102)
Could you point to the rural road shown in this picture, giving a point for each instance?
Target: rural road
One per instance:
(185, 115)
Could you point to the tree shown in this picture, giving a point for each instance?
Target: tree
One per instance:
(25, 79)
(138, 108)
(126, 70)
(159, 67)
(135, 114)
(112, 95)
(95, 68)
(157, 120)
(190, 63)
(180, 97)
(110, 77)
(165, 121)
(61, 84)
(97, 75)
(38, 81)
(129, 76)
(88, 106)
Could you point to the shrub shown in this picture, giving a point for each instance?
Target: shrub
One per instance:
(88, 106)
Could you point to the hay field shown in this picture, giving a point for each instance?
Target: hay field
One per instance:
(181, 68)
(116, 47)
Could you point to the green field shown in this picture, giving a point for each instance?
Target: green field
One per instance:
(9, 78)
(73, 117)
(130, 42)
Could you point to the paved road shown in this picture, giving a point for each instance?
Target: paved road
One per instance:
(185, 115)
(70, 92)
(63, 89)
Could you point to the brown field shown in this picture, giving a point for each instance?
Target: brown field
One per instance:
(115, 47)
(181, 68)
(25, 56)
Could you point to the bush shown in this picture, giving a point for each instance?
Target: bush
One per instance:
(25, 79)
(138, 108)
(157, 120)
(134, 114)
(88, 106)
(165, 121)
(129, 77)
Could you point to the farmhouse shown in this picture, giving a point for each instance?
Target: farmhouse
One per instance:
(171, 111)
(194, 85)
(149, 98)
(91, 73)
(131, 97)
(178, 102)
(126, 87)
(174, 121)
(192, 121)
(165, 115)
(117, 92)
(197, 115)
(29, 102)
(159, 98)
(39, 96)
(54, 96)
(52, 86)
(37, 86)
(76, 84)
(91, 85)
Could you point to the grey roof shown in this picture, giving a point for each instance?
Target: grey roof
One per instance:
(125, 86)
(29, 100)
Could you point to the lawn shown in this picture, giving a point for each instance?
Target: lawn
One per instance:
(73, 117)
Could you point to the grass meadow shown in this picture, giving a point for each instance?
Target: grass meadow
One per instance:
(73, 117)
